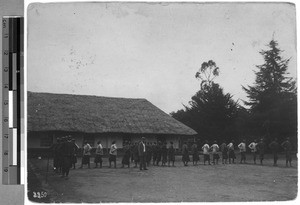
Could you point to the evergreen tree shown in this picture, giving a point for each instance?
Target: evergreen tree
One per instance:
(210, 112)
(213, 112)
(272, 98)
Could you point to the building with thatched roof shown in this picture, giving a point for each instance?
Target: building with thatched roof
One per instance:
(93, 118)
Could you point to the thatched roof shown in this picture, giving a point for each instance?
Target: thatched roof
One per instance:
(93, 114)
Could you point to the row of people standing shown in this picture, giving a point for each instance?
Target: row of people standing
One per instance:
(153, 153)
(156, 153)
(260, 147)
(98, 154)
(227, 152)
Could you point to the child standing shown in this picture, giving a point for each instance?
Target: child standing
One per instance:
(253, 148)
(242, 147)
(74, 157)
(126, 157)
(205, 149)
(185, 154)
(149, 153)
(132, 152)
(86, 154)
(158, 152)
(261, 150)
(274, 146)
(164, 154)
(136, 155)
(215, 149)
(171, 154)
(113, 154)
(231, 153)
(99, 154)
(287, 146)
(224, 150)
(195, 153)
(154, 152)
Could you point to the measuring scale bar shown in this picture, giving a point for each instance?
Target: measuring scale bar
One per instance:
(12, 92)
(5, 100)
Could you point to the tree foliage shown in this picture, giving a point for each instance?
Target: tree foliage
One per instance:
(271, 108)
(213, 112)
(210, 112)
(273, 99)
(207, 73)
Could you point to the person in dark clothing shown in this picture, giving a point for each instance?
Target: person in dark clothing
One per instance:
(231, 154)
(164, 154)
(142, 153)
(171, 154)
(185, 154)
(149, 153)
(99, 154)
(126, 157)
(59, 155)
(67, 151)
(195, 153)
(56, 157)
(224, 150)
(132, 152)
(158, 153)
(154, 152)
(136, 154)
(261, 150)
(274, 146)
(287, 146)
(74, 157)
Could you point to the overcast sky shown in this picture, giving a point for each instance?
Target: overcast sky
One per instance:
(152, 51)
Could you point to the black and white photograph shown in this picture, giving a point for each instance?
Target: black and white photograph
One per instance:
(161, 102)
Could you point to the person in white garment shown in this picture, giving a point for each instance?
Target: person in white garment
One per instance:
(142, 153)
(113, 154)
(215, 149)
(231, 154)
(242, 147)
(99, 154)
(86, 154)
(253, 149)
(205, 149)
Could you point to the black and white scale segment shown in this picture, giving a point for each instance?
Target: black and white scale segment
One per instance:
(12, 97)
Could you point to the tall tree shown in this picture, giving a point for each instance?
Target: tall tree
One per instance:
(272, 98)
(213, 112)
(207, 73)
(210, 112)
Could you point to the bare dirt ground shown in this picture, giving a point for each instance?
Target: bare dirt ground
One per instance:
(210, 183)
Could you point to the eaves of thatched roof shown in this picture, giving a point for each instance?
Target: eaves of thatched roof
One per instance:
(94, 114)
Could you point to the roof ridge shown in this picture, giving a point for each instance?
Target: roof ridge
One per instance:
(48, 93)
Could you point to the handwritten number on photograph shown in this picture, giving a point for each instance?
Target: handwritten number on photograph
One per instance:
(39, 195)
